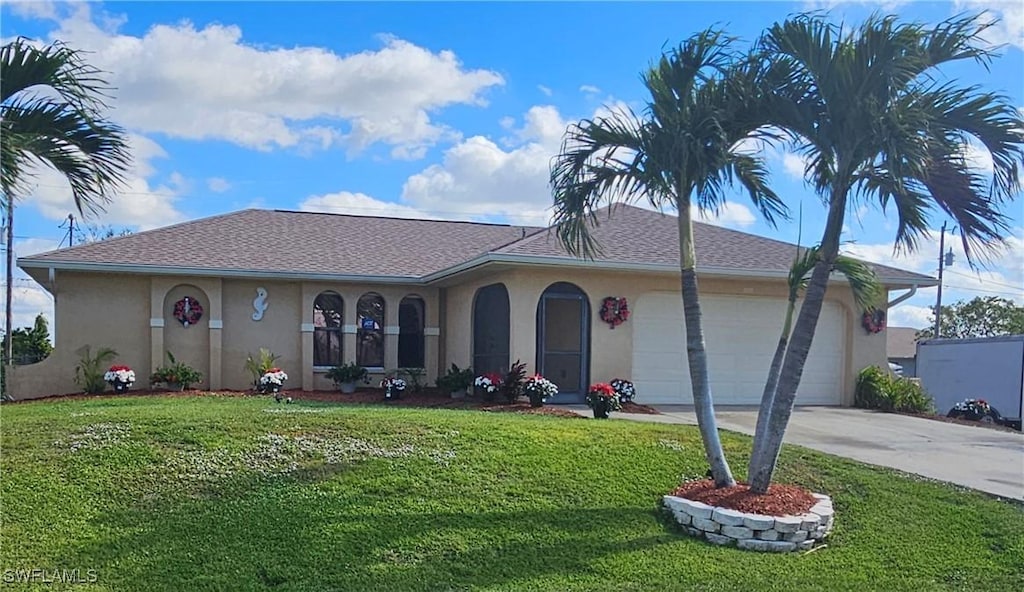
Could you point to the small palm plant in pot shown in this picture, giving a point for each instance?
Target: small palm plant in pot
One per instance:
(456, 381)
(538, 388)
(603, 399)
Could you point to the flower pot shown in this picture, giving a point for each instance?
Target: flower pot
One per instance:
(121, 387)
(601, 409)
(347, 387)
(536, 400)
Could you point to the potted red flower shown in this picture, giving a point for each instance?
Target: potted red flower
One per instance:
(603, 399)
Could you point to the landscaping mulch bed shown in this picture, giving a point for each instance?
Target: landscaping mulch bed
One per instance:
(781, 500)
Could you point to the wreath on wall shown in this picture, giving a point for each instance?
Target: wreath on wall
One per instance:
(873, 321)
(614, 311)
(188, 311)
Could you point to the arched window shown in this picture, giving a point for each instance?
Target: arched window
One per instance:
(370, 332)
(410, 332)
(491, 329)
(327, 323)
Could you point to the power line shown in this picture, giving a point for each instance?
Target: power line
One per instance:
(964, 275)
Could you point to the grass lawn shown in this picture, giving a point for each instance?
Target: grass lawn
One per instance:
(231, 493)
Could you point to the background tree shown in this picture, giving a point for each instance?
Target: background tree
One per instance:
(875, 122)
(51, 107)
(684, 151)
(984, 316)
(31, 344)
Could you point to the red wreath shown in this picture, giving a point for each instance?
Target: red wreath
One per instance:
(873, 321)
(614, 311)
(192, 315)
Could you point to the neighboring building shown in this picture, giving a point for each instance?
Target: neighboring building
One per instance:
(989, 368)
(322, 289)
(901, 347)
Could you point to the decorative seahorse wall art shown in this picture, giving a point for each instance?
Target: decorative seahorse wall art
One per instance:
(259, 303)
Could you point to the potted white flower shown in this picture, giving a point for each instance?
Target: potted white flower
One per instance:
(272, 380)
(393, 387)
(120, 377)
(538, 388)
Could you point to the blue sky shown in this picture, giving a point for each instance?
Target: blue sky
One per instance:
(436, 110)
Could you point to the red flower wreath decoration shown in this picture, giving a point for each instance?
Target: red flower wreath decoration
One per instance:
(614, 311)
(188, 311)
(873, 321)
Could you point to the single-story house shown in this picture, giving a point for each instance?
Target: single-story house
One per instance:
(901, 347)
(322, 289)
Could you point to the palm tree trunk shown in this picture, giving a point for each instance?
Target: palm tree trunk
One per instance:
(768, 396)
(696, 355)
(799, 346)
(8, 307)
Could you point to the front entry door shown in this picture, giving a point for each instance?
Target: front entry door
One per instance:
(564, 341)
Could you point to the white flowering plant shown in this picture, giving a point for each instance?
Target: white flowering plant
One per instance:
(624, 388)
(395, 384)
(272, 380)
(489, 383)
(120, 374)
(537, 385)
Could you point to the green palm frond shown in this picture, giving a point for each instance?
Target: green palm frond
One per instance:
(875, 123)
(51, 114)
(56, 66)
(684, 149)
(868, 292)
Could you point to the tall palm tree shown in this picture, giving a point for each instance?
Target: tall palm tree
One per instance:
(867, 295)
(685, 151)
(875, 122)
(51, 105)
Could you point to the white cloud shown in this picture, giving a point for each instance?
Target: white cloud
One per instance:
(909, 315)
(218, 184)
(28, 300)
(1003, 275)
(137, 204)
(544, 90)
(345, 202)
(730, 214)
(33, 9)
(1010, 13)
(590, 89)
(794, 165)
(209, 83)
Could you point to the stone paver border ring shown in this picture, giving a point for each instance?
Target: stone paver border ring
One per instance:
(754, 532)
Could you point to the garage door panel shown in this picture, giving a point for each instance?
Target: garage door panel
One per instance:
(741, 334)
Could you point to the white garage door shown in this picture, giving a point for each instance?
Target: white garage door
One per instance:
(741, 334)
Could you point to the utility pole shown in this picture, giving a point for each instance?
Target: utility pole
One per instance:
(8, 311)
(946, 259)
(71, 231)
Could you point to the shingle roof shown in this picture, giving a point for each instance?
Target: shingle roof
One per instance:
(630, 234)
(303, 243)
(900, 342)
(299, 243)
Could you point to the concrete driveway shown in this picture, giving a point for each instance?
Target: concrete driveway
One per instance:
(980, 458)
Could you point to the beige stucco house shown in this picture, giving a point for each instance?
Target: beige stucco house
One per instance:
(322, 289)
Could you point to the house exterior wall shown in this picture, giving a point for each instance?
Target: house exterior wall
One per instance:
(134, 315)
(611, 350)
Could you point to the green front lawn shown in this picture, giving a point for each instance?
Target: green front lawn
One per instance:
(230, 493)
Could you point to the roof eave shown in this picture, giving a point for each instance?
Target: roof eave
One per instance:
(212, 272)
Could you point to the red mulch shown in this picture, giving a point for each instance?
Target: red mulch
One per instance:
(781, 500)
(638, 408)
